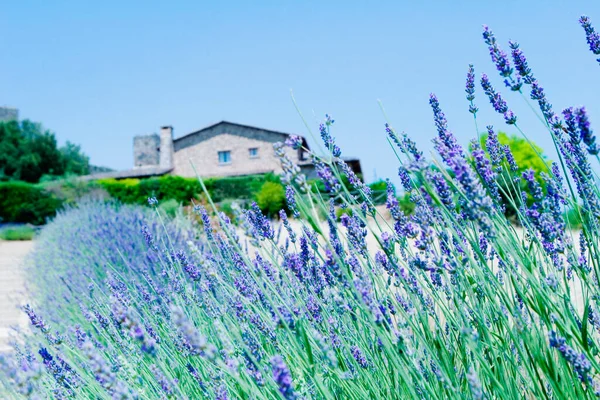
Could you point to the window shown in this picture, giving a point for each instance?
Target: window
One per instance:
(253, 152)
(224, 157)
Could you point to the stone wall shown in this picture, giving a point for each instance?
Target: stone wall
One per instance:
(146, 150)
(204, 156)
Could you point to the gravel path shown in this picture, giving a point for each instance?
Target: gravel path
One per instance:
(12, 286)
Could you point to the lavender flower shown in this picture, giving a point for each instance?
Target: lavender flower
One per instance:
(494, 149)
(510, 159)
(195, 342)
(260, 223)
(327, 138)
(35, 319)
(499, 57)
(521, 63)
(581, 365)
(283, 378)
(294, 141)
(152, 201)
(475, 385)
(497, 101)
(198, 209)
(470, 89)
(359, 356)
(482, 164)
(587, 136)
(592, 37)
(165, 384)
(445, 143)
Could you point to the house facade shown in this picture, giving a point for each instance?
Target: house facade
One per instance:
(219, 150)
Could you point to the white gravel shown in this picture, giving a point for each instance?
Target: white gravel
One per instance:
(12, 288)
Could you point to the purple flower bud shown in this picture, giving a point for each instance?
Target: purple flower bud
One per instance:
(294, 141)
(592, 37)
(283, 378)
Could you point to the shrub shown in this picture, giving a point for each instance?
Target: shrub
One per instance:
(137, 191)
(170, 207)
(25, 232)
(271, 198)
(27, 203)
(343, 211)
(379, 190)
(406, 204)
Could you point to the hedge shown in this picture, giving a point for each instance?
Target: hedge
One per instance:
(137, 191)
(26, 202)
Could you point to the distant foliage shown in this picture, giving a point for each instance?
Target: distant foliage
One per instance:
(28, 152)
(137, 191)
(24, 202)
(24, 232)
(379, 189)
(271, 198)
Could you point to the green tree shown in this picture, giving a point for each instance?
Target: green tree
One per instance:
(271, 198)
(76, 163)
(527, 155)
(28, 152)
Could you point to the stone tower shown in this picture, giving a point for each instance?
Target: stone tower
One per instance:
(166, 147)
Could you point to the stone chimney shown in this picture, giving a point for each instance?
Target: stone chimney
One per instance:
(166, 147)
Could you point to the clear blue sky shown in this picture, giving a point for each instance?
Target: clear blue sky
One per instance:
(101, 72)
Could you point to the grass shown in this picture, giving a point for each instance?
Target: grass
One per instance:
(24, 232)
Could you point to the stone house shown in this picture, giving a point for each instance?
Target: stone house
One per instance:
(219, 150)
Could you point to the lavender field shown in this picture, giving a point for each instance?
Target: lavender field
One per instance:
(458, 299)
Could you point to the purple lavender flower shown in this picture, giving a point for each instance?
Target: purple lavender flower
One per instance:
(148, 237)
(497, 101)
(581, 365)
(592, 37)
(290, 199)
(445, 143)
(587, 135)
(152, 201)
(442, 188)
(165, 384)
(192, 339)
(327, 138)
(283, 378)
(494, 149)
(510, 159)
(482, 165)
(332, 184)
(259, 222)
(475, 385)
(499, 57)
(62, 373)
(205, 220)
(521, 63)
(35, 319)
(578, 163)
(359, 356)
(476, 205)
(294, 141)
(470, 89)
(510, 117)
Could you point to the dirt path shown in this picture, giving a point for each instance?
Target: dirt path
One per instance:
(12, 286)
